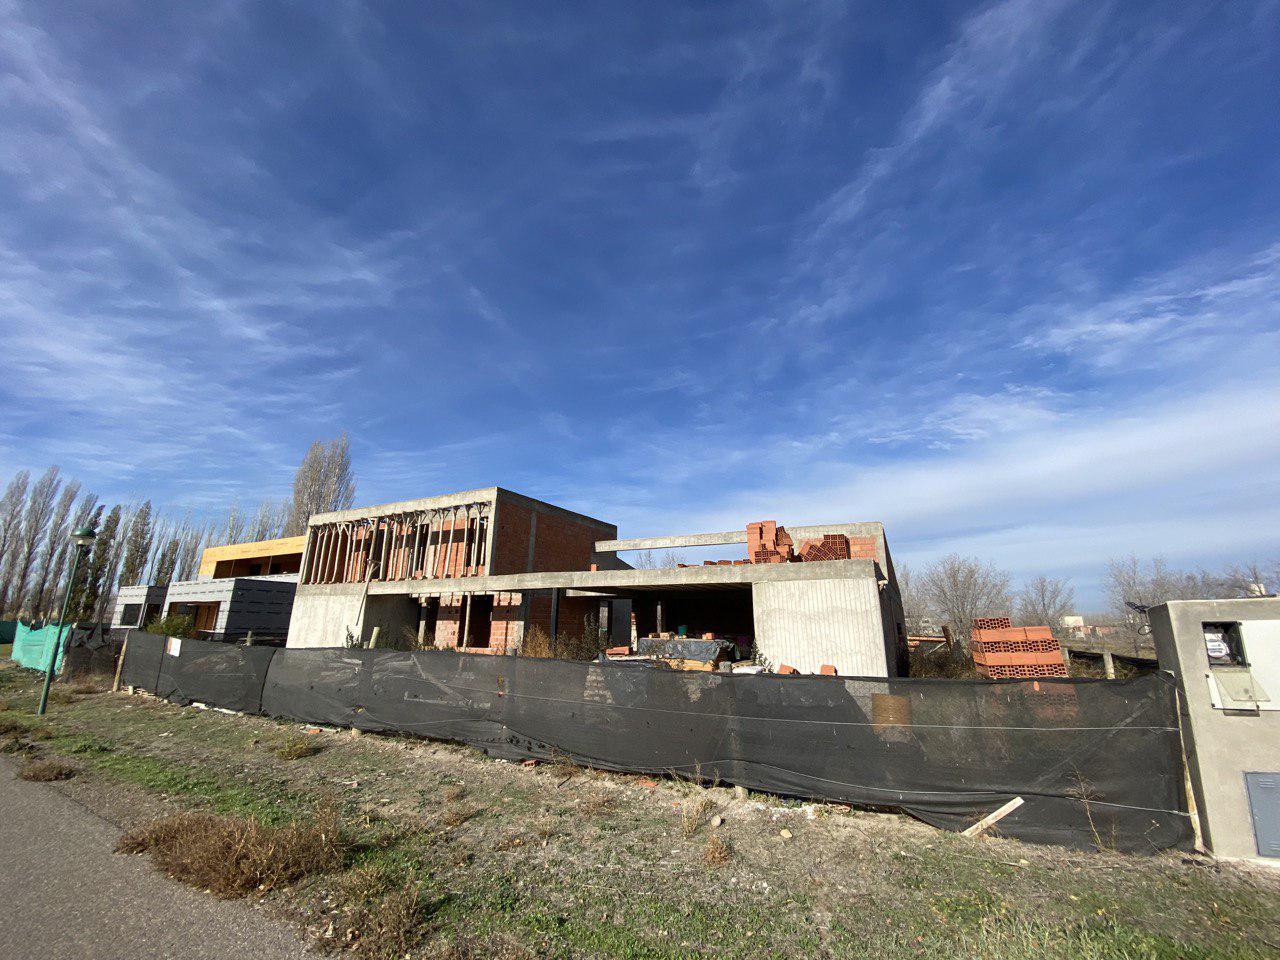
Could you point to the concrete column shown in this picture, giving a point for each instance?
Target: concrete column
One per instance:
(555, 620)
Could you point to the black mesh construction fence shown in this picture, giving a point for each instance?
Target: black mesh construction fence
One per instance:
(1095, 762)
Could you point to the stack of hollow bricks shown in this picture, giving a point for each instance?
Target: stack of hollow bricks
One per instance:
(1003, 651)
(769, 543)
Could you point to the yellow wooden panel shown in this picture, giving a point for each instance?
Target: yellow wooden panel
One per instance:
(258, 550)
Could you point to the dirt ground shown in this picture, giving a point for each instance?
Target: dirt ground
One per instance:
(506, 859)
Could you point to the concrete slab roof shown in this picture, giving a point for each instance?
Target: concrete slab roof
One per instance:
(446, 500)
(852, 529)
(712, 577)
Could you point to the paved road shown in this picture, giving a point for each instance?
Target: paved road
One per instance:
(65, 895)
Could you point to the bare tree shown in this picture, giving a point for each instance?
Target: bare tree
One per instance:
(35, 523)
(55, 541)
(1147, 584)
(958, 589)
(233, 528)
(915, 606)
(1044, 601)
(165, 563)
(269, 521)
(11, 507)
(192, 539)
(1252, 579)
(324, 482)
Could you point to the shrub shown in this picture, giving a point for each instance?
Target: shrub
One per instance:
(230, 856)
(173, 625)
(717, 852)
(46, 771)
(298, 748)
(383, 918)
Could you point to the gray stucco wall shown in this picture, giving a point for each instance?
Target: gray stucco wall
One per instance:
(808, 623)
(262, 605)
(1222, 745)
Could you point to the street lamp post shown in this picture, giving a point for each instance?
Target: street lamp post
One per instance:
(82, 538)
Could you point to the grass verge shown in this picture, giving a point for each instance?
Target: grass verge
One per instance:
(387, 847)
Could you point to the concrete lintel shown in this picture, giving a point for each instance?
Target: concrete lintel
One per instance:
(736, 536)
(720, 575)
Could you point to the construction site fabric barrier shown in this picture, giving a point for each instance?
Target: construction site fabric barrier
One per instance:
(143, 655)
(7, 630)
(32, 646)
(1097, 763)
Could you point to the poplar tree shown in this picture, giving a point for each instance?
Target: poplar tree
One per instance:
(324, 482)
(99, 572)
(137, 547)
(11, 506)
(31, 536)
(46, 582)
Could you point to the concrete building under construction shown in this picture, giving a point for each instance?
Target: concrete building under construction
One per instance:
(492, 571)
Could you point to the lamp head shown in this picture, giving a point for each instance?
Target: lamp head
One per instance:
(83, 536)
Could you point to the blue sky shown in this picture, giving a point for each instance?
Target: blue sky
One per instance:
(1005, 276)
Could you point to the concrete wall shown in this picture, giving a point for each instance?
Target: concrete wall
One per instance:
(324, 616)
(808, 623)
(1223, 744)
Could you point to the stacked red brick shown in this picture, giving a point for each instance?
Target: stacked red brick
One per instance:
(1008, 652)
(833, 546)
(769, 543)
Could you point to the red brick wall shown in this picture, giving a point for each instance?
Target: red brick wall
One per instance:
(511, 538)
(505, 624)
(862, 548)
(449, 621)
(560, 542)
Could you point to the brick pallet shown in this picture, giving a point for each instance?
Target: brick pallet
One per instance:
(1023, 653)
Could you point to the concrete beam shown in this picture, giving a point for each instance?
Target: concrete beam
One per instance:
(703, 577)
(736, 536)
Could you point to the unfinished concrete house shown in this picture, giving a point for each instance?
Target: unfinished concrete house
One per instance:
(492, 571)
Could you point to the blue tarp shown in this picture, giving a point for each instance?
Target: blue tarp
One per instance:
(31, 647)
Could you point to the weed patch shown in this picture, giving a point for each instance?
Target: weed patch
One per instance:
(230, 856)
(298, 748)
(378, 915)
(716, 852)
(46, 771)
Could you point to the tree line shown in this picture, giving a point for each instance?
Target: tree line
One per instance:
(955, 590)
(135, 542)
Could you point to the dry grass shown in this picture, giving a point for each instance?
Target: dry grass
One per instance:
(46, 771)
(480, 948)
(298, 748)
(379, 917)
(89, 685)
(230, 856)
(939, 662)
(12, 728)
(598, 804)
(455, 793)
(694, 814)
(716, 852)
(455, 815)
